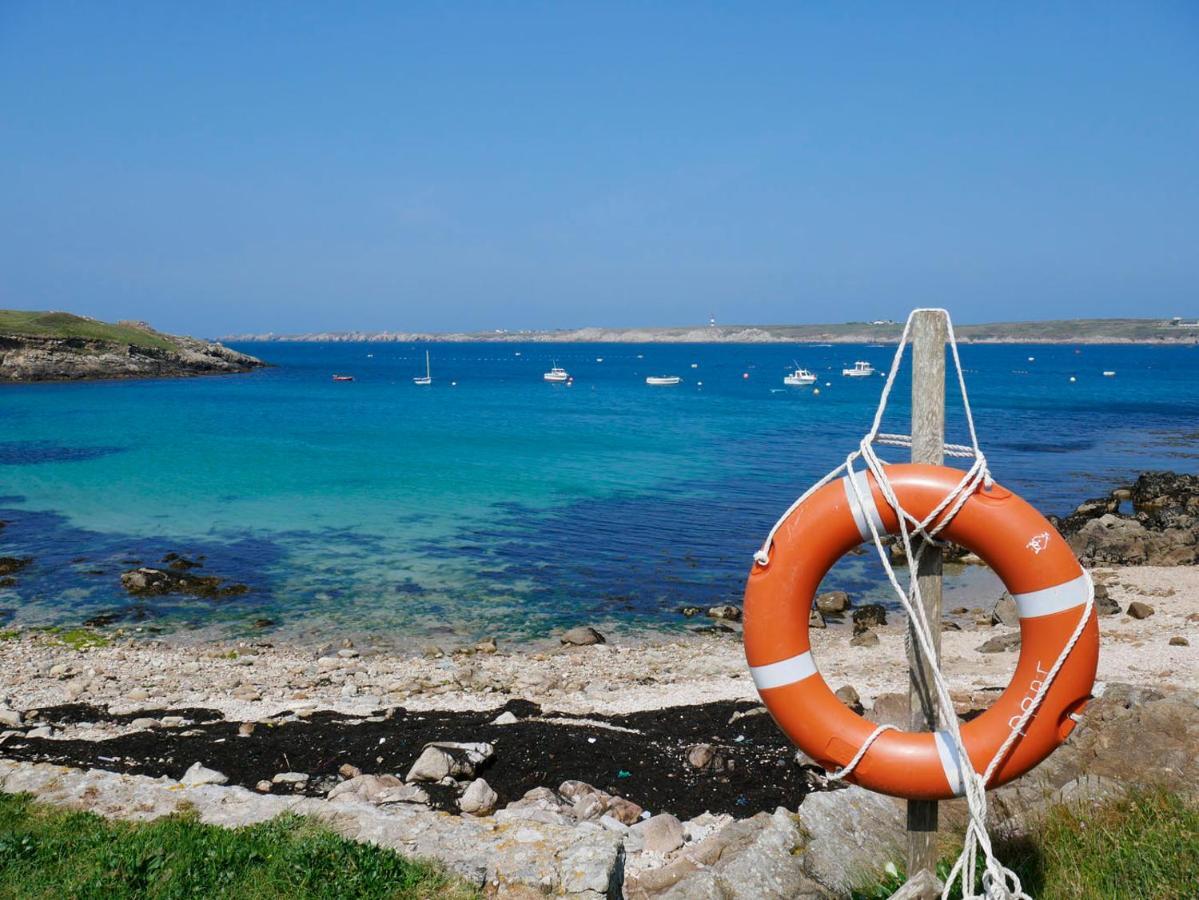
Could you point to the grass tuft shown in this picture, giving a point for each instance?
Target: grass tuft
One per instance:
(1144, 844)
(46, 852)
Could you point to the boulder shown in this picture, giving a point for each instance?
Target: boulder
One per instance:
(365, 787)
(849, 696)
(891, 709)
(1140, 610)
(924, 885)
(833, 602)
(10, 718)
(1104, 604)
(662, 833)
(1004, 612)
(728, 612)
(449, 759)
(582, 636)
(405, 793)
(815, 619)
(199, 775)
(1179, 641)
(852, 834)
(864, 638)
(1000, 643)
(872, 615)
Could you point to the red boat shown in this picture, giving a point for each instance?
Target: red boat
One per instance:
(343, 377)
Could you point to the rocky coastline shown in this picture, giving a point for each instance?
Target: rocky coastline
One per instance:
(599, 767)
(140, 352)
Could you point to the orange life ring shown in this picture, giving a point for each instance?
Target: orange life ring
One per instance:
(1026, 552)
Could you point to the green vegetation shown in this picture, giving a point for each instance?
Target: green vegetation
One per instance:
(75, 638)
(65, 325)
(50, 853)
(9, 635)
(1142, 845)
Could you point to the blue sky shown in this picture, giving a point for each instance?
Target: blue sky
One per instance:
(221, 167)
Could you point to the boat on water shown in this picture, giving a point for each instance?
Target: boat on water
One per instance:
(343, 377)
(556, 374)
(1109, 373)
(427, 378)
(861, 369)
(663, 380)
(799, 377)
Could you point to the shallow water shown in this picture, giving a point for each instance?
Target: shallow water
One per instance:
(503, 504)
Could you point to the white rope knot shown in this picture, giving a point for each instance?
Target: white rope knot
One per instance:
(998, 882)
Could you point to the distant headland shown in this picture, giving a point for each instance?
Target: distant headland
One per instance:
(1058, 331)
(58, 346)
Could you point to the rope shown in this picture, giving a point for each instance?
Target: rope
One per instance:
(998, 881)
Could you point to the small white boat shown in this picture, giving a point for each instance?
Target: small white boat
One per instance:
(599, 359)
(427, 378)
(663, 380)
(695, 365)
(1109, 373)
(556, 374)
(860, 369)
(799, 377)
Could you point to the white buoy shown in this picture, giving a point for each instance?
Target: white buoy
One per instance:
(1073, 379)
(815, 390)
(1032, 359)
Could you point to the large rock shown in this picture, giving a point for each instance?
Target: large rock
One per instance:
(833, 602)
(582, 636)
(852, 834)
(199, 775)
(449, 759)
(478, 799)
(1163, 529)
(660, 834)
(871, 615)
(1005, 612)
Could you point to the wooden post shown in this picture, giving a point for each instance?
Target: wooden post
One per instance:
(928, 439)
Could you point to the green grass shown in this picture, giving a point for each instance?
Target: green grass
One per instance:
(1142, 846)
(9, 635)
(48, 853)
(65, 325)
(75, 638)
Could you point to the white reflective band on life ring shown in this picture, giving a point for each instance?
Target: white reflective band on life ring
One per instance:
(1054, 599)
(950, 762)
(870, 514)
(785, 671)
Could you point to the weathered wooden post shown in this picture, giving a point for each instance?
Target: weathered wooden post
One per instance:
(928, 438)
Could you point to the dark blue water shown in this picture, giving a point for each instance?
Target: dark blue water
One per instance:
(492, 502)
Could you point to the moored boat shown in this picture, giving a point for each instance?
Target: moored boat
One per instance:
(427, 378)
(556, 374)
(343, 377)
(861, 369)
(799, 377)
(663, 380)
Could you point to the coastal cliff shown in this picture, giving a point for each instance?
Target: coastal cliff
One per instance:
(55, 346)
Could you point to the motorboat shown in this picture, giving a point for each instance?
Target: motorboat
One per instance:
(860, 369)
(343, 377)
(663, 380)
(556, 374)
(799, 377)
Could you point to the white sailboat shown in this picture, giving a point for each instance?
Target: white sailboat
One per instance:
(427, 378)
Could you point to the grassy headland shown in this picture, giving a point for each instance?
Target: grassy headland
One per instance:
(67, 325)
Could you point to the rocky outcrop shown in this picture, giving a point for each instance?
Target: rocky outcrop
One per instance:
(40, 358)
(1162, 529)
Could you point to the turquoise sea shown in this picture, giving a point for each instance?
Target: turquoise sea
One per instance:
(495, 503)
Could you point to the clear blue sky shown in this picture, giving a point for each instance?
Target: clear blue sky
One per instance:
(216, 167)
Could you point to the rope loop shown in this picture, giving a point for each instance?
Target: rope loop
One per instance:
(998, 881)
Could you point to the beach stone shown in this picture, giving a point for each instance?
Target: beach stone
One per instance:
(1001, 643)
(507, 717)
(815, 619)
(1140, 610)
(1004, 612)
(365, 787)
(691, 611)
(478, 799)
(582, 636)
(728, 612)
(539, 804)
(864, 638)
(872, 615)
(852, 834)
(487, 645)
(144, 724)
(833, 602)
(924, 885)
(345, 770)
(1179, 641)
(172, 721)
(198, 775)
(245, 729)
(10, 718)
(290, 778)
(450, 759)
(1104, 604)
(891, 709)
(700, 756)
(405, 793)
(263, 787)
(624, 810)
(42, 731)
(662, 833)
(849, 696)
